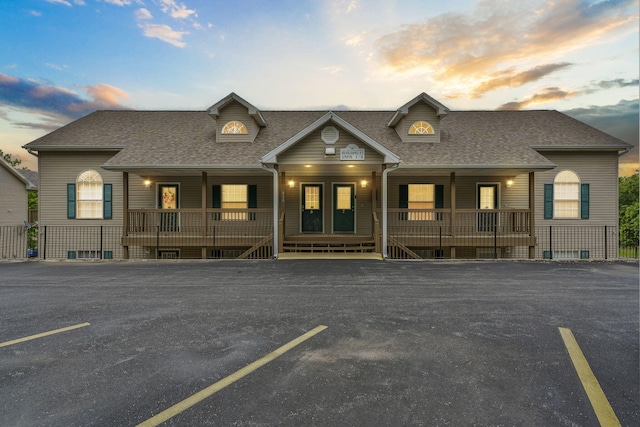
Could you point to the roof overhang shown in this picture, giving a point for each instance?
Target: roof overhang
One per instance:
(272, 156)
(28, 184)
(214, 110)
(38, 148)
(470, 169)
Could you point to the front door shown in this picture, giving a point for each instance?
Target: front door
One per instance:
(487, 200)
(343, 208)
(311, 216)
(168, 199)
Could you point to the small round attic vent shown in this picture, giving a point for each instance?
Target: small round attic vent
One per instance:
(329, 135)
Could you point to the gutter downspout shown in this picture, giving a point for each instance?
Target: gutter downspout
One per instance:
(384, 208)
(276, 191)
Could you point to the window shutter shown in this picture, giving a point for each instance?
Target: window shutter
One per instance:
(216, 198)
(403, 202)
(548, 201)
(252, 200)
(107, 204)
(71, 201)
(252, 196)
(439, 197)
(584, 201)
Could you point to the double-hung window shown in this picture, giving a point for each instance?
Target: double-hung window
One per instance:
(421, 196)
(234, 196)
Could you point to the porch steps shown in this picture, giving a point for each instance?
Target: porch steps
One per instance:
(329, 244)
(261, 250)
(399, 251)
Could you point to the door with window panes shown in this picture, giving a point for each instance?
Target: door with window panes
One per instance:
(311, 216)
(487, 201)
(344, 208)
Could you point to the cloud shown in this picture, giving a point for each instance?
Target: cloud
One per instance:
(56, 105)
(615, 83)
(143, 14)
(547, 95)
(490, 38)
(508, 78)
(164, 33)
(62, 2)
(176, 10)
(119, 2)
(620, 120)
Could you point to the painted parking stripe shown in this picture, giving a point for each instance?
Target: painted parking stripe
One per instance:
(598, 400)
(44, 334)
(207, 392)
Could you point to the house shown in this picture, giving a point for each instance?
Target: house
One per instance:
(235, 181)
(15, 186)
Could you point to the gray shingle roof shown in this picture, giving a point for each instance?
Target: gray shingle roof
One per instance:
(187, 138)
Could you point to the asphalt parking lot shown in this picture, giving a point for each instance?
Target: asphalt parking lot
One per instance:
(406, 343)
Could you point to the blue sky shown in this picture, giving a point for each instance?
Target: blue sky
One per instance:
(62, 59)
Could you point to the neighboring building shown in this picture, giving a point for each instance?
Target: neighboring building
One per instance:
(418, 182)
(15, 186)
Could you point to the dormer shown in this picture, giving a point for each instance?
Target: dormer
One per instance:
(419, 120)
(236, 119)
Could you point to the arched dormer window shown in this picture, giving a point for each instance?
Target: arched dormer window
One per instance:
(421, 128)
(566, 195)
(89, 195)
(234, 128)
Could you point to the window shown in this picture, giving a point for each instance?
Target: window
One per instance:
(89, 195)
(421, 128)
(421, 196)
(566, 195)
(234, 197)
(235, 128)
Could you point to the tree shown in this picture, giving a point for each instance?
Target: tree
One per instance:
(9, 158)
(629, 206)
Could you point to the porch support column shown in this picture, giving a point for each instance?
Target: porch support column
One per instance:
(532, 215)
(204, 215)
(452, 195)
(125, 212)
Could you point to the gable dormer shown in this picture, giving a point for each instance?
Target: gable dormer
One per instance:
(419, 119)
(236, 119)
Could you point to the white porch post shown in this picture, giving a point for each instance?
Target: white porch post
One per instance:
(276, 191)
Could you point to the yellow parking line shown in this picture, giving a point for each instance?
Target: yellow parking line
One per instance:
(44, 334)
(203, 394)
(599, 401)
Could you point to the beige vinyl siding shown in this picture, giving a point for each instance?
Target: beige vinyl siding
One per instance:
(516, 197)
(419, 112)
(293, 204)
(57, 169)
(13, 193)
(312, 150)
(141, 197)
(236, 111)
(599, 170)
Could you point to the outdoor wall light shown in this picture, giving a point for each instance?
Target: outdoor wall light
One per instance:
(147, 183)
(292, 184)
(363, 183)
(509, 183)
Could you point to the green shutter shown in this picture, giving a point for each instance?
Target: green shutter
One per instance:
(403, 199)
(71, 201)
(107, 204)
(439, 196)
(252, 196)
(252, 200)
(548, 201)
(584, 201)
(217, 197)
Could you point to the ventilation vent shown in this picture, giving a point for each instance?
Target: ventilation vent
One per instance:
(330, 135)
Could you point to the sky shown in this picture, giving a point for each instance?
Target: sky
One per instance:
(62, 59)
